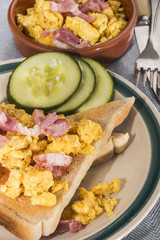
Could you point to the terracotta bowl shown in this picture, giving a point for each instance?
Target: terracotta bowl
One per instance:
(105, 52)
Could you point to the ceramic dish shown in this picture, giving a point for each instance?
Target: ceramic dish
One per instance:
(137, 167)
(108, 51)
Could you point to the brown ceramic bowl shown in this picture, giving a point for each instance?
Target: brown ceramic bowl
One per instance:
(105, 52)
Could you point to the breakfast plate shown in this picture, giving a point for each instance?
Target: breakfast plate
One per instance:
(137, 167)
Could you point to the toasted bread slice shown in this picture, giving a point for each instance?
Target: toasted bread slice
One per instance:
(29, 222)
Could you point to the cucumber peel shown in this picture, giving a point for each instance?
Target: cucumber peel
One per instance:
(104, 86)
(84, 91)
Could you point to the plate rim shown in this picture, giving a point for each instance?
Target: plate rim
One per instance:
(143, 212)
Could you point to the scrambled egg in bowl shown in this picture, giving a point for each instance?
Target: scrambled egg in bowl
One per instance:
(92, 22)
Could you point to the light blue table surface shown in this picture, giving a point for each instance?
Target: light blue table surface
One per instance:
(149, 228)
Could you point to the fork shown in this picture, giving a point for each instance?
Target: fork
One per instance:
(148, 62)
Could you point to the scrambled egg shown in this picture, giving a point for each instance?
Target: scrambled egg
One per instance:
(92, 202)
(17, 155)
(107, 24)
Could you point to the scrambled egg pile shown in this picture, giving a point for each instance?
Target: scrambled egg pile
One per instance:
(92, 202)
(17, 155)
(107, 24)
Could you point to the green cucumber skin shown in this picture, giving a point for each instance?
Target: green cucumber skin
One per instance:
(87, 104)
(73, 108)
(46, 109)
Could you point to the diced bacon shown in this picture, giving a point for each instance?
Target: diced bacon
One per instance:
(50, 125)
(102, 4)
(6, 123)
(64, 38)
(84, 44)
(60, 44)
(90, 6)
(93, 6)
(2, 132)
(55, 162)
(59, 170)
(56, 170)
(71, 226)
(9, 124)
(53, 159)
(63, 6)
(3, 140)
(35, 131)
(38, 116)
(84, 16)
(57, 129)
(45, 33)
(69, 6)
(48, 120)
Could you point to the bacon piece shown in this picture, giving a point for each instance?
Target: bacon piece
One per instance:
(9, 124)
(50, 125)
(44, 121)
(63, 6)
(38, 116)
(52, 159)
(57, 129)
(71, 226)
(90, 6)
(84, 44)
(59, 170)
(6, 123)
(64, 38)
(84, 16)
(2, 132)
(35, 131)
(3, 140)
(55, 162)
(93, 6)
(45, 33)
(69, 6)
(102, 4)
(56, 170)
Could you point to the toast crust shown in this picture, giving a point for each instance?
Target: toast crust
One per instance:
(29, 222)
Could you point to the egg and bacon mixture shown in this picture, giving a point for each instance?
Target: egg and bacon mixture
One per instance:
(39, 183)
(82, 22)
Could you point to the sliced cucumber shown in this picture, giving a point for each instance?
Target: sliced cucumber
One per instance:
(44, 81)
(104, 86)
(84, 90)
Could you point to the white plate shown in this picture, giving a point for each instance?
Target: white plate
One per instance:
(137, 167)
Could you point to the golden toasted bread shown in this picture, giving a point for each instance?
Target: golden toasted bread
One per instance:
(29, 222)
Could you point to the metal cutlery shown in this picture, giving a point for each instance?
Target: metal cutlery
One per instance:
(148, 63)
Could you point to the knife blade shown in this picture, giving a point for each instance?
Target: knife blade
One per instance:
(146, 11)
(142, 25)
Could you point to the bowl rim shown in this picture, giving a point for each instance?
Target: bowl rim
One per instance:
(41, 47)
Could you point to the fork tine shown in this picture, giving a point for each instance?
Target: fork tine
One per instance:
(158, 86)
(145, 75)
(137, 76)
(151, 77)
(155, 80)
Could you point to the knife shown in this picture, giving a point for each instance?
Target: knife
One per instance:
(143, 21)
(146, 11)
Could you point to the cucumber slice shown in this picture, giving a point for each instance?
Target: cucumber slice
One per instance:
(45, 80)
(84, 91)
(104, 86)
